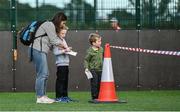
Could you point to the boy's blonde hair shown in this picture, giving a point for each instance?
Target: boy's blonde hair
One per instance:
(93, 37)
(63, 28)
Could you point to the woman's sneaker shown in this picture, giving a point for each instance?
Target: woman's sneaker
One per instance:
(44, 99)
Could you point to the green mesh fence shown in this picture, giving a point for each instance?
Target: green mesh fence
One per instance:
(95, 14)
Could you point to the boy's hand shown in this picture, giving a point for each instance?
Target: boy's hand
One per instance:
(68, 49)
(88, 74)
(86, 70)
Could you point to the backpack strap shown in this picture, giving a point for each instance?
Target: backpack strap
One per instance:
(45, 34)
(31, 52)
(41, 43)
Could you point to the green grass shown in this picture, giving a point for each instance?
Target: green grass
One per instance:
(136, 100)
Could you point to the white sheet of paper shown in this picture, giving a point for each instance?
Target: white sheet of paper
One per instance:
(88, 74)
(73, 53)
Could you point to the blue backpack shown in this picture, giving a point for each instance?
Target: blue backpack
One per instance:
(27, 34)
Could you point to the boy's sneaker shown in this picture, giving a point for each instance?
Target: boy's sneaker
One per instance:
(44, 99)
(69, 99)
(93, 101)
(61, 99)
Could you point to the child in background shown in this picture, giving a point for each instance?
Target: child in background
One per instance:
(62, 63)
(93, 63)
(115, 24)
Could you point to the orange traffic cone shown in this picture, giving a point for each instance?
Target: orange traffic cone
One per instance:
(107, 87)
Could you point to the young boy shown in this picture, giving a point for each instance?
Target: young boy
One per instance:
(93, 63)
(62, 63)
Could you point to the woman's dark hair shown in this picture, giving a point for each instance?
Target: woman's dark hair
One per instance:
(57, 19)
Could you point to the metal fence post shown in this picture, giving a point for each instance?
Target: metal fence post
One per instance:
(138, 26)
(95, 7)
(37, 9)
(138, 15)
(151, 14)
(14, 49)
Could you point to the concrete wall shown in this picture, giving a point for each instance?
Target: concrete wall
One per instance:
(155, 71)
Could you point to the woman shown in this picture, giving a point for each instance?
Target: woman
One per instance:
(41, 47)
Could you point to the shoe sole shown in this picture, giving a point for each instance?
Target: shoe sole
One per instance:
(61, 102)
(44, 102)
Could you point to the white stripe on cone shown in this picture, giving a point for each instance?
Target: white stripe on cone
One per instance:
(107, 73)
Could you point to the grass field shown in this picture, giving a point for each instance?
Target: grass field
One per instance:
(136, 101)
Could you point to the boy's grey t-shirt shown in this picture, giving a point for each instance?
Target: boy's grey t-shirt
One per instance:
(51, 38)
(62, 59)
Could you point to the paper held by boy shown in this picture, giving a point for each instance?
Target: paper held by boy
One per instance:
(73, 53)
(88, 74)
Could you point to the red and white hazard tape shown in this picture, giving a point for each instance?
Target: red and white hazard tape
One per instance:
(171, 53)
